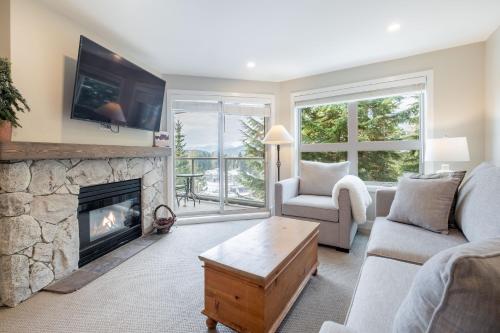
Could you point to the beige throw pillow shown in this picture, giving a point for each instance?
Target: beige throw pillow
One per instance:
(457, 290)
(455, 174)
(319, 178)
(424, 202)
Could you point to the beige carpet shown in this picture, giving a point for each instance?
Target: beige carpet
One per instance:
(161, 290)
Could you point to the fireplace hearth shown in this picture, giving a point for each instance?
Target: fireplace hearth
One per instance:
(109, 215)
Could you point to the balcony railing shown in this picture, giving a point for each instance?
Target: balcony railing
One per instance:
(207, 187)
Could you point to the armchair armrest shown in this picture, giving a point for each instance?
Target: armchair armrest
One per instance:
(383, 201)
(285, 190)
(332, 327)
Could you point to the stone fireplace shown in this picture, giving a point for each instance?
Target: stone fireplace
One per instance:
(39, 203)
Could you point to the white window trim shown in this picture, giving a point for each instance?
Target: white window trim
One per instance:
(173, 94)
(426, 118)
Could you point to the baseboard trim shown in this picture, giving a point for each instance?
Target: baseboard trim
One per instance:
(221, 218)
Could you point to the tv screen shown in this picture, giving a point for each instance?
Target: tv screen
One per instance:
(110, 89)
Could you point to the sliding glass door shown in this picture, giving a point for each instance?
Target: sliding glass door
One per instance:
(220, 161)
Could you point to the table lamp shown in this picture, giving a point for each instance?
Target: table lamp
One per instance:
(277, 135)
(447, 150)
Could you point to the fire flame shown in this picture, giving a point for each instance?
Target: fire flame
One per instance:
(108, 224)
(109, 221)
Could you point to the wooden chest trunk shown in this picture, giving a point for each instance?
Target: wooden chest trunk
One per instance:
(253, 279)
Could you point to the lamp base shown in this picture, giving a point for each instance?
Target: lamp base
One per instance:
(444, 168)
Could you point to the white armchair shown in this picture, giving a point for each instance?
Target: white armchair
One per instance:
(336, 225)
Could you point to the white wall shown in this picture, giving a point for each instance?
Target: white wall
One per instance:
(44, 49)
(492, 117)
(200, 83)
(458, 93)
(44, 45)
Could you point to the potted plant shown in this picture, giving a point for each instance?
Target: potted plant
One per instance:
(11, 102)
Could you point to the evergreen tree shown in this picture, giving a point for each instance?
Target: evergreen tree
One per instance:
(11, 100)
(252, 171)
(182, 166)
(382, 119)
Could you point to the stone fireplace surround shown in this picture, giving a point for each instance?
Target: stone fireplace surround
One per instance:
(39, 240)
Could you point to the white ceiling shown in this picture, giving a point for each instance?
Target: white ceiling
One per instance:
(285, 38)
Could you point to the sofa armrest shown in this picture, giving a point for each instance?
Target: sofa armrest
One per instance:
(332, 327)
(383, 201)
(285, 190)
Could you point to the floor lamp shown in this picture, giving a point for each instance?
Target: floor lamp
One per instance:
(277, 135)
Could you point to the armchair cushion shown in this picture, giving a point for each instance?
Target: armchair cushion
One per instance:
(318, 178)
(311, 206)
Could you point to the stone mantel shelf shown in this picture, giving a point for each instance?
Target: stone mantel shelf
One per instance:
(15, 151)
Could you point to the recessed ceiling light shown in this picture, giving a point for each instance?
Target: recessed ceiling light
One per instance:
(250, 64)
(393, 27)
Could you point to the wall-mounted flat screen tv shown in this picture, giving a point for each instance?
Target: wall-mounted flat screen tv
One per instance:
(110, 89)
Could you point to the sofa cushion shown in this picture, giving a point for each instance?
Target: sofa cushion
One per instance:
(382, 286)
(478, 206)
(457, 290)
(311, 206)
(424, 202)
(407, 242)
(333, 327)
(319, 178)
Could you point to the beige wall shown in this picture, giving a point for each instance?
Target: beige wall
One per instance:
(220, 85)
(458, 93)
(44, 49)
(5, 28)
(492, 76)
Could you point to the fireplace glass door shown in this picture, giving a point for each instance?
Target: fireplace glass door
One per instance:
(109, 215)
(110, 219)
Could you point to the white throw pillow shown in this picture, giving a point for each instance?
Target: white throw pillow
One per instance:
(319, 178)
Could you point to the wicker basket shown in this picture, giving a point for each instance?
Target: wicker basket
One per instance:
(163, 224)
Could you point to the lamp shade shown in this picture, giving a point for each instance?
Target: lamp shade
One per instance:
(277, 135)
(447, 150)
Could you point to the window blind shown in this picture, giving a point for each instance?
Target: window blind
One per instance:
(359, 93)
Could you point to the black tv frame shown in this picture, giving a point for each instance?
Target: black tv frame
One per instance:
(109, 124)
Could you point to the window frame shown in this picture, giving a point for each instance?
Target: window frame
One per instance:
(353, 145)
(220, 97)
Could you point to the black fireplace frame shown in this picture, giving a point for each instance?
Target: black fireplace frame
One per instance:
(100, 194)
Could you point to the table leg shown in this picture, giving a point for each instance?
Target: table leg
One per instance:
(186, 191)
(211, 324)
(192, 192)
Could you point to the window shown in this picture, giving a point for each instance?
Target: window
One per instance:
(377, 127)
(220, 160)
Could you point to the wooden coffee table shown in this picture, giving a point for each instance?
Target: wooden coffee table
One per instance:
(253, 279)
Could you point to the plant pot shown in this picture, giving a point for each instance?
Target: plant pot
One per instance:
(5, 131)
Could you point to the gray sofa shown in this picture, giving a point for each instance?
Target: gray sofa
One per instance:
(336, 226)
(397, 251)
